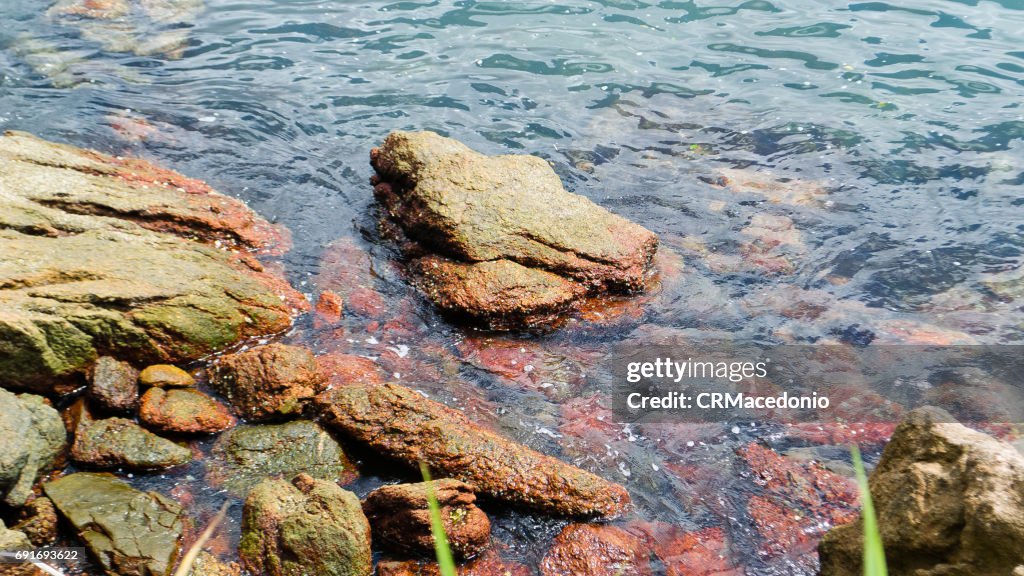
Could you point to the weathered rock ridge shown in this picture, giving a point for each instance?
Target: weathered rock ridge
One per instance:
(512, 247)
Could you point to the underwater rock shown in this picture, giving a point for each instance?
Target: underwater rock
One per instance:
(949, 500)
(142, 27)
(120, 442)
(514, 248)
(268, 382)
(165, 376)
(183, 410)
(306, 526)
(400, 423)
(400, 518)
(128, 532)
(114, 385)
(245, 455)
(119, 257)
(596, 550)
(329, 310)
(347, 270)
(489, 563)
(342, 369)
(32, 437)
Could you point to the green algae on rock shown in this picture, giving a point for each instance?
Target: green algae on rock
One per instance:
(400, 423)
(32, 437)
(119, 257)
(306, 526)
(121, 443)
(129, 532)
(245, 455)
(508, 222)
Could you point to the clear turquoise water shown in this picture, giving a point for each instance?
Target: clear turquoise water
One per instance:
(905, 120)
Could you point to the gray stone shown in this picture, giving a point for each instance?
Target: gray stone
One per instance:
(121, 443)
(114, 385)
(32, 436)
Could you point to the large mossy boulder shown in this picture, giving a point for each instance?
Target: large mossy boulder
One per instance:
(32, 437)
(119, 257)
(128, 532)
(306, 526)
(511, 246)
(949, 500)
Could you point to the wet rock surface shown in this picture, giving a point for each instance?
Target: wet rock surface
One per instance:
(114, 386)
(595, 550)
(117, 257)
(165, 376)
(32, 437)
(519, 248)
(400, 518)
(129, 532)
(269, 382)
(207, 564)
(183, 410)
(38, 520)
(247, 454)
(399, 423)
(949, 500)
(120, 442)
(306, 526)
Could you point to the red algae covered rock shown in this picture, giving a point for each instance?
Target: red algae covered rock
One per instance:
(400, 518)
(400, 423)
(268, 382)
(119, 257)
(114, 386)
(490, 563)
(341, 369)
(596, 550)
(183, 410)
(520, 250)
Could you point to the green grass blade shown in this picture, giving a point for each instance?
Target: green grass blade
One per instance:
(445, 562)
(874, 553)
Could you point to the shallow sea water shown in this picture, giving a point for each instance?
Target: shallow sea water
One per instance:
(825, 172)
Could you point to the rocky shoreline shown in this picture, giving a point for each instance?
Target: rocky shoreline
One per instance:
(142, 333)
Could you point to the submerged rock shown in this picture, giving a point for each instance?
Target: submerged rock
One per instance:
(32, 437)
(514, 247)
(595, 550)
(306, 526)
(120, 257)
(400, 423)
(165, 376)
(121, 443)
(142, 27)
(949, 500)
(400, 518)
(245, 455)
(268, 382)
(130, 533)
(114, 385)
(183, 410)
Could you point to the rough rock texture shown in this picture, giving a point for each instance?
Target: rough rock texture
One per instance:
(12, 540)
(121, 443)
(949, 500)
(268, 382)
(183, 410)
(165, 376)
(38, 520)
(32, 437)
(128, 532)
(305, 526)
(245, 455)
(509, 225)
(400, 518)
(207, 564)
(114, 386)
(400, 423)
(118, 257)
(595, 550)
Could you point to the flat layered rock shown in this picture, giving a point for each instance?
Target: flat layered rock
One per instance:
(472, 208)
(400, 423)
(119, 257)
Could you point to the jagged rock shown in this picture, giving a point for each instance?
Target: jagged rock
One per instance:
(269, 382)
(183, 410)
(949, 501)
(128, 532)
(114, 385)
(400, 423)
(522, 249)
(305, 526)
(245, 455)
(400, 518)
(165, 376)
(32, 437)
(119, 257)
(121, 443)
